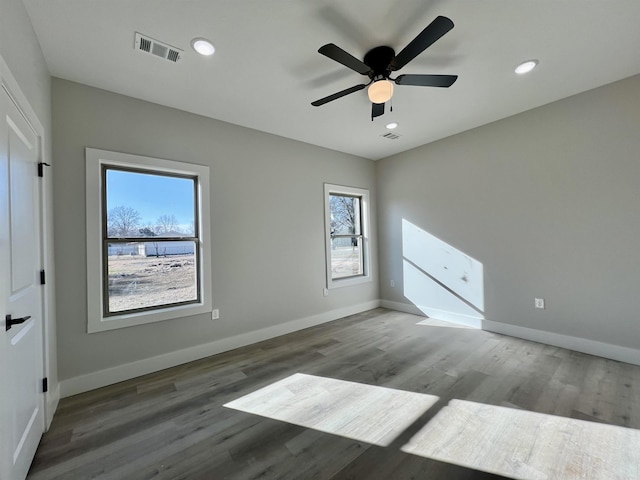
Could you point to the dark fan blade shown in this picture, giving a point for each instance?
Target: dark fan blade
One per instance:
(426, 38)
(427, 80)
(335, 96)
(377, 109)
(336, 53)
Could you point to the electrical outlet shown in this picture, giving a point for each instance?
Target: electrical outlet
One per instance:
(393, 283)
(215, 314)
(539, 303)
(325, 292)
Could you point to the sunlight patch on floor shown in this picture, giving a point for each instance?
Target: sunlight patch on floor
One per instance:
(434, 322)
(367, 413)
(527, 445)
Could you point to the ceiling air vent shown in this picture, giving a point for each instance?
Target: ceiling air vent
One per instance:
(390, 136)
(147, 44)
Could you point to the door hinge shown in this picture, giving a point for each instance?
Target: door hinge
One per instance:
(41, 166)
(45, 385)
(42, 278)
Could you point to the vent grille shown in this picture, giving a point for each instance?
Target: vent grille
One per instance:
(390, 136)
(162, 50)
(173, 55)
(145, 44)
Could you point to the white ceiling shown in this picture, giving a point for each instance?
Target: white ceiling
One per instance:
(266, 70)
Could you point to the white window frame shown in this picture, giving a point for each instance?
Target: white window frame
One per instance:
(363, 194)
(95, 159)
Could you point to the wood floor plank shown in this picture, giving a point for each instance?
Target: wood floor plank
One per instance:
(173, 424)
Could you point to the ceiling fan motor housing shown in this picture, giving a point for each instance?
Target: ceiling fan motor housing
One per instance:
(380, 60)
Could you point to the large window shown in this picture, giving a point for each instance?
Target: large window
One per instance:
(150, 240)
(147, 248)
(346, 214)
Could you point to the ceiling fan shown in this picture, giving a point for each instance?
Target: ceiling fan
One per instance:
(379, 62)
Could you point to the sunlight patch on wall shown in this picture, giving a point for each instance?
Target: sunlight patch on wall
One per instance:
(527, 445)
(439, 279)
(366, 413)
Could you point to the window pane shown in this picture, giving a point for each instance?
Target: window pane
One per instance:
(345, 215)
(346, 257)
(151, 274)
(149, 205)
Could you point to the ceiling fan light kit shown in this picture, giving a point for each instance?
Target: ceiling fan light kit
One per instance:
(380, 91)
(380, 62)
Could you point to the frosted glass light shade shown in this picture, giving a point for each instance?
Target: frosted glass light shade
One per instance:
(380, 91)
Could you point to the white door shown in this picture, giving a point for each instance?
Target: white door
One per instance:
(21, 345)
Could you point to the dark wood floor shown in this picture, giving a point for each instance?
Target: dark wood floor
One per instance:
(172, 424)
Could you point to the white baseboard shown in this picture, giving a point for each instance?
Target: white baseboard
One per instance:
(434, 313)
(452, 317)
(109, 376)
(402, 307)
(592, 347)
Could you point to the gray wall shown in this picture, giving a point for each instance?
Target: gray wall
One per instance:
(21, 51)
(267, 221)
(548, 201)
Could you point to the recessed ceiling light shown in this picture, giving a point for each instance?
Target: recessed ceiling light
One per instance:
(203, 46)
(391, 125)
(526, 67)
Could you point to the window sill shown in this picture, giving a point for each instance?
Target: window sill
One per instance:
(102, 324)
(349, 281)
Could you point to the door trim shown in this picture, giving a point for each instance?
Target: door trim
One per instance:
(11, 86)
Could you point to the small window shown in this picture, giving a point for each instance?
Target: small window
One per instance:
(346, 236)
(147, 247)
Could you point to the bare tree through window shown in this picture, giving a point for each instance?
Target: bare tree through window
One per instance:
(123, 221)
(167, 223)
